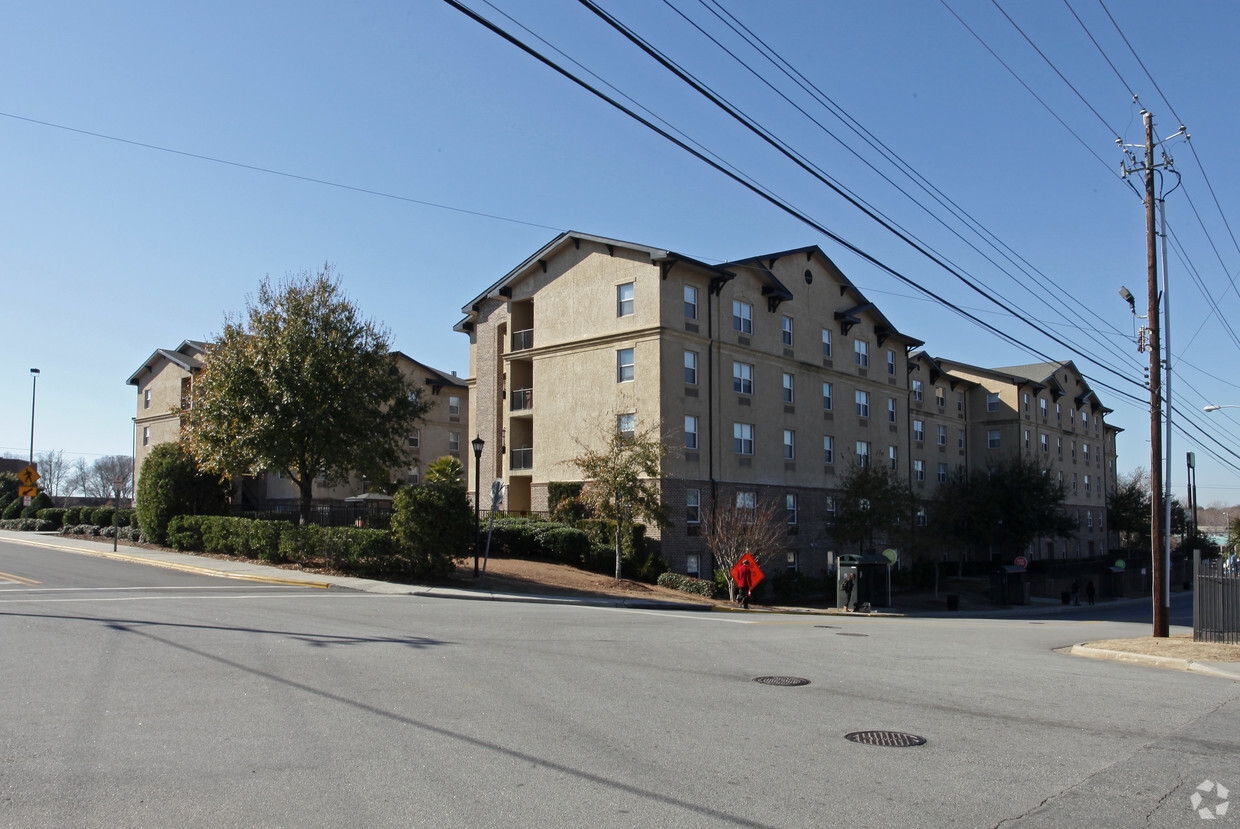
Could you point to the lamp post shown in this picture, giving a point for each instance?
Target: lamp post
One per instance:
(34, 385)
(477, 443)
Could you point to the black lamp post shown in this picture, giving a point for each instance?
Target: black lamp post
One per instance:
(477, 443)
(34, 386)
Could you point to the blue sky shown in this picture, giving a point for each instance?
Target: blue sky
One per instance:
(459, 156)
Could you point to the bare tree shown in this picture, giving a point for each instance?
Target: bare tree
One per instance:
(54, 471)
(744, 524)
(95, 480)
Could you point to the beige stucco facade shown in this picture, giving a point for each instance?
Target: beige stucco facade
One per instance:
(164, 386)
(770, 375)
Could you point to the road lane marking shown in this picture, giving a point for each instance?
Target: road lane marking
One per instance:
(9, 578)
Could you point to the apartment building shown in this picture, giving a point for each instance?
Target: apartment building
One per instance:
(768, 377)
(165, 392)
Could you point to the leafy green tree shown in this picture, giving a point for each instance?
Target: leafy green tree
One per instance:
(302, 385)
(447, 471)
(172, 484)
(1128, 509)
(622, 478)
(434, 522)
(1002, 509)
(873, 505)
(9, 485)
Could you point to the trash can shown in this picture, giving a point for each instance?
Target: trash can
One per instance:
(953, 602)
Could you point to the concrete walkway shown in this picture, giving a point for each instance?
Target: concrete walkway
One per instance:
(255, 571)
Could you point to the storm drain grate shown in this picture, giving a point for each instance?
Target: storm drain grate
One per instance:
(787, 681)
(891, 739)
(852, 634)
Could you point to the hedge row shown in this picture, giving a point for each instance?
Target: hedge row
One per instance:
(589, 544)
(25, 524)
(105, 516)
(688, 584)
(369, 553)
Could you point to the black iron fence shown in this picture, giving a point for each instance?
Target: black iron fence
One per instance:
(375, 516)
(1216, 600)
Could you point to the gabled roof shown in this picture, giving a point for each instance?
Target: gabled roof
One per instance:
(1005, 375)
(935, 370)
(437, 378)
(503, 287)
(186, 355)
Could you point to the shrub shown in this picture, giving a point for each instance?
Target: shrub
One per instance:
(688, 584)
(170, 485)
(184, 532)
(126, 517)
(13, 510)
(55, 515)
(648, 568)
(102, 516)
(73, 517)
(566, 545)
(791, 584)
(435, 525)
(41, 501)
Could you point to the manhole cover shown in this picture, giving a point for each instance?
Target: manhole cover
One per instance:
(852, 634)
(893, 739)
(782, 680)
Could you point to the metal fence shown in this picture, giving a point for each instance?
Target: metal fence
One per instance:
(1216, 601)
(371, 516)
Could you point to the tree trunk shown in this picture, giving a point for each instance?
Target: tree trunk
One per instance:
(618, 549)
(305, 486)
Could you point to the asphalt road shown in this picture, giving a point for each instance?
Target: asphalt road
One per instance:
(141, 697)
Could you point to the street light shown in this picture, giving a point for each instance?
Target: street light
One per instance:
(1224, 406)
(34, 385)
(477, 443)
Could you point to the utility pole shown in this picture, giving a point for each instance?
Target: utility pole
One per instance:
(1160, 497)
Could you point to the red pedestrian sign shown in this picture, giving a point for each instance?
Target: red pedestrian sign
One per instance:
(755, 572)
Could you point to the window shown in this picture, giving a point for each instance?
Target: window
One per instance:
(146, 399)
(921, 516)
(790, 504)
(1074, 450)
(742, 438)
(863, 403)
(624, 300)
(691, 432)
(919, 430)
(863, 453)
(624, 365)
(146, 435)
(1059, 446)
(1089, 518)
(415, 438)
(1042, 407)
(1084, 420)
(828, 507)
(626, 425)
(742, 317)
(992, 439)
(1085, 449)
(891, 363)
(891, 410)
(960, 439)
(786, 329)
(942, 435)
(690, 302)
(826, 397)
(861, 353)
(693, 506)
(992, 401)
(917, 389)
(787, 387)
(454, 406)
(414, 474)
(826, 343)
(693, 565)
(1087, 490)
(942, 473)
(1074, 482)
(893, 458)
(960, 401)
(792, 561)
(454, 441)
(746, 500)
(940, 397)
(1046, 446)
(1026, 438)
(691, 368)
(742, 378)
(828, 449)
(789, 444)
(919, 470)
(1024, 399)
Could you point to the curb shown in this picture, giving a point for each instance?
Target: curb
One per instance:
(1172, 663)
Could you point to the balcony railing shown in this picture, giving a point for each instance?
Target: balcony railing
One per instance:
(522, 400)
(521, 459)
(523, 340)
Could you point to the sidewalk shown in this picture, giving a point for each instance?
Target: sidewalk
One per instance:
(254, 571)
